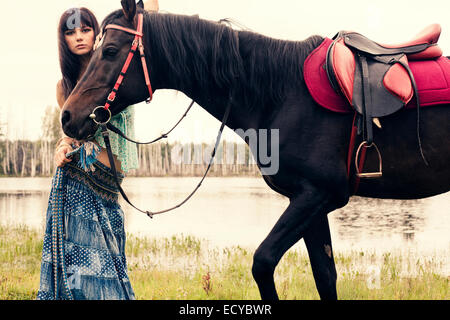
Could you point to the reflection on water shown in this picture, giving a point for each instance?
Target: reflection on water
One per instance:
(376, 216)
(20, 207)
(241, 211)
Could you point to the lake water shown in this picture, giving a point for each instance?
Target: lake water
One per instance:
(241, 211)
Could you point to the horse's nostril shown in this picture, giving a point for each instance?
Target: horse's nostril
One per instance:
(65, 118)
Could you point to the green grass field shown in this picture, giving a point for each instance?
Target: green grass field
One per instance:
(186, 268)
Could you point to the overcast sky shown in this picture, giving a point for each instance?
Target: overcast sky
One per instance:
(30, 69)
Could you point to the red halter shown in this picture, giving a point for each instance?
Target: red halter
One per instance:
(137, 43)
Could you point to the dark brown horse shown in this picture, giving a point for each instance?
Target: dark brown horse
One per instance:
(210, 63)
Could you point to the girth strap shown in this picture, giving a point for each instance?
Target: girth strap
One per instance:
(367, 100)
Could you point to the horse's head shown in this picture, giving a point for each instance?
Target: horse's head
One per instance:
(102, 73)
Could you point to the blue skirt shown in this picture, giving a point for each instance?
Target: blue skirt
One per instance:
(89, 258)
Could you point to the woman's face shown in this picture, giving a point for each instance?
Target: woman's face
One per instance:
(80, 40)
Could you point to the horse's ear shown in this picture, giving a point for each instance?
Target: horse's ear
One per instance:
(140, 4)
(129, 9)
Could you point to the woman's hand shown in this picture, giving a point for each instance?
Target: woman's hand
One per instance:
(62, 148)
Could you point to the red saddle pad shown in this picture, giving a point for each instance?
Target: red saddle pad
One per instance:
(432, 78)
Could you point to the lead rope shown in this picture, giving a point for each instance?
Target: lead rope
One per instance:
(149, 213)
(111, 127)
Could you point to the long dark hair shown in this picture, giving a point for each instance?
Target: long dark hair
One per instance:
(69, 62)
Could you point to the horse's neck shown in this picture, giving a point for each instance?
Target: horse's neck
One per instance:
(196, 79)
(212, 62)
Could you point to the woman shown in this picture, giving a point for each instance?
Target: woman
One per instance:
(84, 245)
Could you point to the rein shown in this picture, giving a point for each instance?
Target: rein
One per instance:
(114, 129)
(105, 124)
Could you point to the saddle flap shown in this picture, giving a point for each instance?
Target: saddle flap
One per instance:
(397, 81)
(389, 82)
(343, 65)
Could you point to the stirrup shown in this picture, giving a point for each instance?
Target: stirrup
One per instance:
(376, 174)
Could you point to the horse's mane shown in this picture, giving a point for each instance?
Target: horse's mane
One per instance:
(262, 66)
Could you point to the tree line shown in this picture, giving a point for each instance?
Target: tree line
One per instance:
(24, 158)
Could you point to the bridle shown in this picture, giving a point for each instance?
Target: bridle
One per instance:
(105, 125)
(137, 43)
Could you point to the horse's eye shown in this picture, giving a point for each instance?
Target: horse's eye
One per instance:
(110, 52)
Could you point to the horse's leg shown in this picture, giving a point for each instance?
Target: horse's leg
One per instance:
(318, 242)
(290, 228)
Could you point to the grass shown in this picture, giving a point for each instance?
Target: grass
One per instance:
(184, 267)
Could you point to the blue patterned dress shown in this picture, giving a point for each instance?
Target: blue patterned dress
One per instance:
(83, 255)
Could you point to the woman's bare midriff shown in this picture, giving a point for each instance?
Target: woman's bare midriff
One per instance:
(103, 158)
